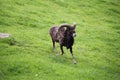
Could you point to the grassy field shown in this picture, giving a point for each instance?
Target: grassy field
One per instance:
(28, 54)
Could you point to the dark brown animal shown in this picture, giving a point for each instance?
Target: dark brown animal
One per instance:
(64, 35)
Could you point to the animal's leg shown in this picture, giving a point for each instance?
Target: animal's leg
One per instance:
(53, 44)
(61, 47)
(74, 61)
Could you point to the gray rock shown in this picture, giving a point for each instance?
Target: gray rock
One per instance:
(4, 35)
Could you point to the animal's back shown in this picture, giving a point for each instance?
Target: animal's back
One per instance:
(53, 33)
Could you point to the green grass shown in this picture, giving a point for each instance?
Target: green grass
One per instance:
(96, 48)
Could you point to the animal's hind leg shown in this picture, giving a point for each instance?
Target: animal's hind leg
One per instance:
(74, 61)
(61, 47)
(53, 44)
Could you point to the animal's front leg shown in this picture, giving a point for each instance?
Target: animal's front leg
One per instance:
(61, 47)
(74, 61)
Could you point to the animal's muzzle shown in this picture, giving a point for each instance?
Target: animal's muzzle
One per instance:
(74, 34)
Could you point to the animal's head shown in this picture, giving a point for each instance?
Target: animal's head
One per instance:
(70, 29)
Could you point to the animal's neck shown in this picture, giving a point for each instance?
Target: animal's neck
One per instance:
(69, 40)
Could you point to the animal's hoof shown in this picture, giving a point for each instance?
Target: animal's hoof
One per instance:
(62, 53)
(74, 62)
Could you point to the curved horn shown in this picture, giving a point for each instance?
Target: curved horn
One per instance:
(74, 25)
(61, 27)
(64, 25)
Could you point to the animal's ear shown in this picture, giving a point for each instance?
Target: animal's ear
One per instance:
(74, 25)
